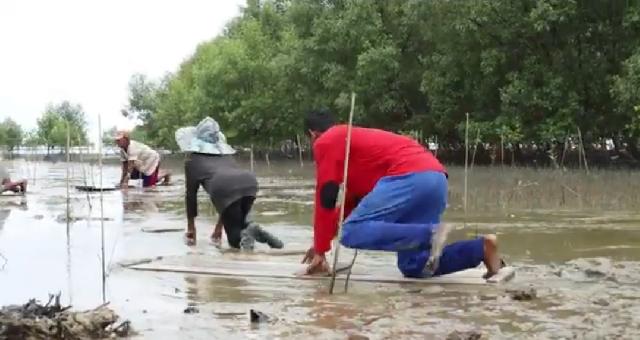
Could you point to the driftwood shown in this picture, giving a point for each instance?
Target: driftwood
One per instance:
(53, 321)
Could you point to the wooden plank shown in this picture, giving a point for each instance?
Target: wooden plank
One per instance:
(277, 252)
(162, 230)
(92, 188)
(12, 194)
(290, 270)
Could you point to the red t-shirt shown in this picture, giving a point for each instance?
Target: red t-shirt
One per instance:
(374, 154)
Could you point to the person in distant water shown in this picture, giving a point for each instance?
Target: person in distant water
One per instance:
(210, 163)
(8, 185)
(139, 162)
(396, 192)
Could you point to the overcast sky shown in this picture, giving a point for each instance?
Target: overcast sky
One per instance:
(85, 51)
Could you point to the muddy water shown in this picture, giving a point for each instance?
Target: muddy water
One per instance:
(574, 237)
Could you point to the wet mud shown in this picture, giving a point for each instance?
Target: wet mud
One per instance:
(578, 266)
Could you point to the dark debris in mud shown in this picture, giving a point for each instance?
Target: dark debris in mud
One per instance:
(33, 321)
(256, 316)
(191, 310)
(470, 335)
(523, 294)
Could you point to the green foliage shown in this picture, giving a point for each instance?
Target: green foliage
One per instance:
(523, 70)
(10, 134)
(626, 90)
(61, 120)
(32, 138)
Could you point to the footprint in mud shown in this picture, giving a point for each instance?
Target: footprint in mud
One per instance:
(587, 270)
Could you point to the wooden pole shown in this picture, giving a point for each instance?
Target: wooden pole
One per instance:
(67, 179)
(466, 168)
(584, 154)
(564, 151)
(251, 157)
(104, 269)
(266, 156)
(336, 243)
(502, 150)
(299, 150)
(84, 176)
(475, 148)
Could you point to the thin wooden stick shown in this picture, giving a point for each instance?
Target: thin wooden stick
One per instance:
(466, 168)
(579, 155)
(251, 157)
(67, 179)
(68, 220)
(104, 273)
(502, 150)
(581, 146)
(266, 156)
(84, 176)
(336, 243)
(299, 150)
(564, 151)
(475, 148)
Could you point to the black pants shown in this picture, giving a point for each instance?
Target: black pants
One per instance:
(234, 218)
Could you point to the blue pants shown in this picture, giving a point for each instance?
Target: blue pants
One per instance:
(399, 215)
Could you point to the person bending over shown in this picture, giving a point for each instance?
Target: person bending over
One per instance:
(210, 163)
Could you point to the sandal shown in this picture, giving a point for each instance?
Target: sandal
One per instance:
(190, 238)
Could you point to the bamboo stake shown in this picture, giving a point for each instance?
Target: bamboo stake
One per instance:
(84, 176)
(336, 243)
(266, 156)
(466, 168)
(564, 151)
(579, 157)
(67, 179)
(251, 157)
(475, 148)
(584, 155)
(502, 150)
(104, 274)
(299, 150)
(68, 214)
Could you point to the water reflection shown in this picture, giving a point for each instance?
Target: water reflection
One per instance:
(206, 289)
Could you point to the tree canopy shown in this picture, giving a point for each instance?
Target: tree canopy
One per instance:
(57, 121)
(11, 134)
(530, 70)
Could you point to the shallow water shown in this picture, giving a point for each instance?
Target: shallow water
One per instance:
(584, 262)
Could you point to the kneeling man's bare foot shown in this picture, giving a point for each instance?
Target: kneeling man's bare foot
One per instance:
(491, 257)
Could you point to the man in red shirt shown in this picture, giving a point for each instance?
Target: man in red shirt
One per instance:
(396, 192)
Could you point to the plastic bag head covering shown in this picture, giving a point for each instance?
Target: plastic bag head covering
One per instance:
(205, 138)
